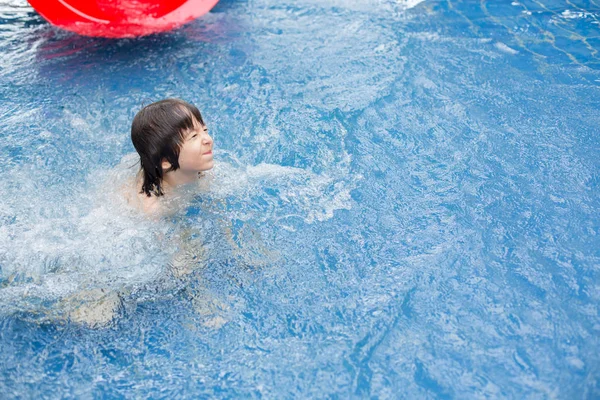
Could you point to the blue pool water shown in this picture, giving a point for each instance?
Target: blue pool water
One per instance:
(406, 204)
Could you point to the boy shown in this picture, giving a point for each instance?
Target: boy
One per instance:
(174, 148)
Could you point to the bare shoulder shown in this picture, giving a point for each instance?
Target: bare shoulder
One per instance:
(150, 204)
(137, 199)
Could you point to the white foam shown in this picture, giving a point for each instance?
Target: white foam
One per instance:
(54, 245)
(58, 241)
(307, 195)
(408, 4)
(504, 48)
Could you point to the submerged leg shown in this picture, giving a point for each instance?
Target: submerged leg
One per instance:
(95, 308)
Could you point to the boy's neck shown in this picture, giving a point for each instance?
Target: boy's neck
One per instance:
(177, 178)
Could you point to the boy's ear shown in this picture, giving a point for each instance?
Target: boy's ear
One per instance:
(165, 165)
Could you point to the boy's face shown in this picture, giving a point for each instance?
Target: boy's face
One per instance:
(195, 154)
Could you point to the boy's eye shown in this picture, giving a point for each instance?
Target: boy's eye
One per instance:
(194, 135)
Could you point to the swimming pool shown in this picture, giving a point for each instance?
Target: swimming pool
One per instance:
(406, 204)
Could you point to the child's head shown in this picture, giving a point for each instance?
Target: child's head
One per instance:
(170, 135)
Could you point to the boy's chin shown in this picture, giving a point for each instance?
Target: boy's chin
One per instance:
(208, 167)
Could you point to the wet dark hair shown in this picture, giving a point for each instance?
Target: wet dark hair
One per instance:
(157, 133)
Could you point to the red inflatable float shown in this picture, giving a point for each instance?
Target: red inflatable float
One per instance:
(120, 18)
